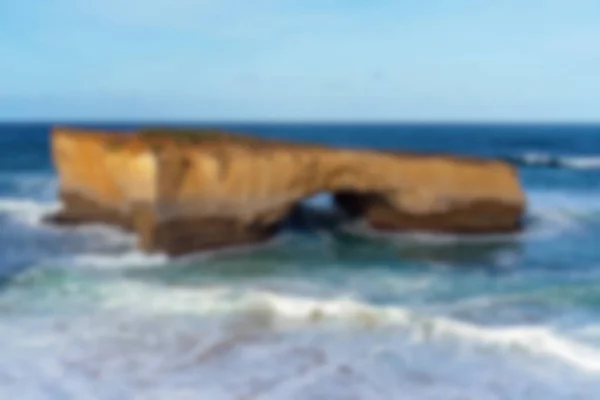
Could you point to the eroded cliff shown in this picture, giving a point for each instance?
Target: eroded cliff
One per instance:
(184, 191)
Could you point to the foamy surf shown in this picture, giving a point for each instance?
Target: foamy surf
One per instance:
(582, 162)
(152, 342)
(319, 315)
(126, 260)
(553, 210)
(280, 311)
(534, 159)
(26, 211)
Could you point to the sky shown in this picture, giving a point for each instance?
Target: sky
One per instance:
(300, 60)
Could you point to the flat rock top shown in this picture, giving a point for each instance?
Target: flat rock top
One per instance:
(193, 137)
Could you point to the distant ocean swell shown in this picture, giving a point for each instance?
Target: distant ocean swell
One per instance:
(543, 160)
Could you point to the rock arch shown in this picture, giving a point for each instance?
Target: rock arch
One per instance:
(184, 191)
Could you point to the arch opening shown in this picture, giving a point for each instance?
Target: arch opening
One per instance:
(328, 211)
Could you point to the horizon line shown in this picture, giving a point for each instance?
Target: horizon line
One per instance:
(182, 121)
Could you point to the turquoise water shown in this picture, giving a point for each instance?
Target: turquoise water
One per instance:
(312, 314)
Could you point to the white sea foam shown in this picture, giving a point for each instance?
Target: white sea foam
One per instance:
(26, 211)
(560, 210)
(129, 259)
(33, 195)
(582, 162)
(220, 342)
(280, 311)
(537, 159)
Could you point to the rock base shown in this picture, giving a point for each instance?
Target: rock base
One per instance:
(79, 210)
(174, 237)
(478, 217)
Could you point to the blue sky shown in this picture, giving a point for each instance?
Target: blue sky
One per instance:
(391, 60)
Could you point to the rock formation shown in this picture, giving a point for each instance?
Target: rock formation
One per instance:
(184, 191)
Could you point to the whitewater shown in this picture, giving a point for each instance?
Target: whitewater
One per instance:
(343, 315)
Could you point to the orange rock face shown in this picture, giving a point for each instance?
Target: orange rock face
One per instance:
(188, 191)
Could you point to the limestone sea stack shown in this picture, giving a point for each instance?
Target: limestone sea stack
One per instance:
(188, 190)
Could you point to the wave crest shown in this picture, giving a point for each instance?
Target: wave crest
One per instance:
(543, 160)
(26, 211)
(271, 310)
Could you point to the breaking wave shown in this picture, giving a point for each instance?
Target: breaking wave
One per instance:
(148, 341)
(543, 160)
(26, 211)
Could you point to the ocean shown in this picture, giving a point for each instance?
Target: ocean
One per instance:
(312, 314)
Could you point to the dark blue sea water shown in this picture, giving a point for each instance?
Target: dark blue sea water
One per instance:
(83, 315)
